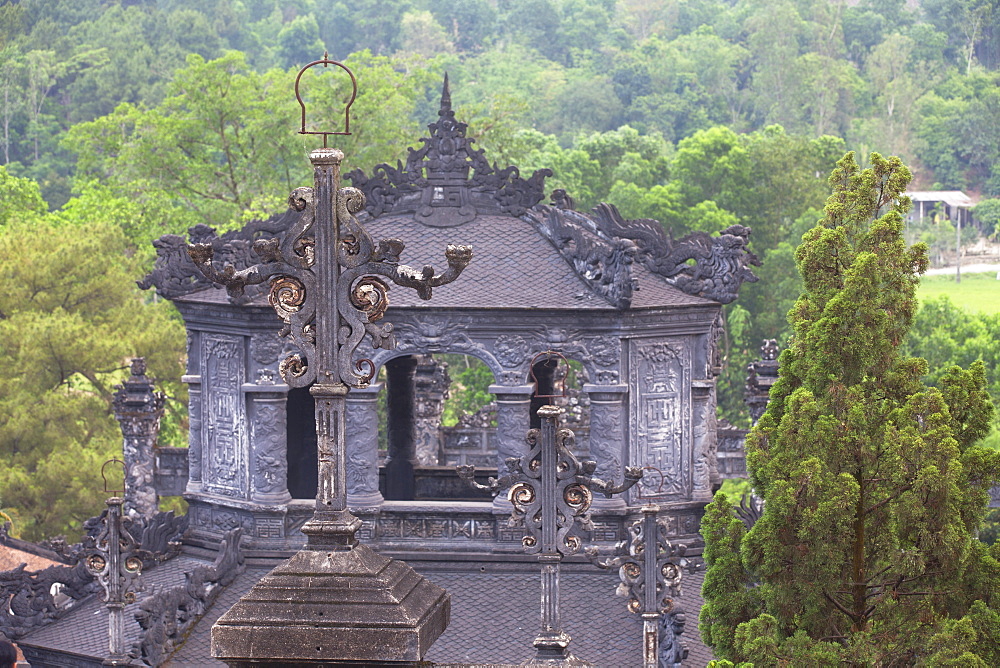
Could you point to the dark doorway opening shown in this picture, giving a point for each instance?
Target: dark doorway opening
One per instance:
(301, 433)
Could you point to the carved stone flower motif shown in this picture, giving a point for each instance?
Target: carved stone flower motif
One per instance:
(510, 349)
(604, 350)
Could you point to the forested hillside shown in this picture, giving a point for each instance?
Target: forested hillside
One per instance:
(128, 120)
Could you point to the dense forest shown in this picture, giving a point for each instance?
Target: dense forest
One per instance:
(122, 121)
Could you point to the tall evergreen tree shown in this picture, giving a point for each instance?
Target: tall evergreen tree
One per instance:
(874, 486)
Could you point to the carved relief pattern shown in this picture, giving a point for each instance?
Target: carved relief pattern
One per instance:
(435, 182)
(601, 246)
(265, 348)
(604, 350)
(361, 423)
(606, 438)
(271, 465)
(510, 350)
(512, 423)
(225, 425)
(704, 445)
(661, 425)
(194, 432)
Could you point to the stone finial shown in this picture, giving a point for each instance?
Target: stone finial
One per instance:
(138, 408)
(760, 377)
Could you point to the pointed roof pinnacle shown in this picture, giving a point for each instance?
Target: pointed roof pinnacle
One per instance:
(445, 98)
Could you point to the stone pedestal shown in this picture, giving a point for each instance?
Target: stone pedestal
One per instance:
(340, 605)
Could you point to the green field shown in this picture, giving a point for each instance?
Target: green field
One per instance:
(978, 293)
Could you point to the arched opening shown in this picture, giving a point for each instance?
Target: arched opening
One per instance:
(560, 382)
(435, 413)
(300, 431)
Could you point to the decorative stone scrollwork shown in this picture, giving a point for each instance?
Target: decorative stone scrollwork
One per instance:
(166, 615)
(602, 246)
(28, 596)
(362, 295)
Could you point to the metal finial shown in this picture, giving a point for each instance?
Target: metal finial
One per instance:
(659, 489)
(114, 460)
(325, 61)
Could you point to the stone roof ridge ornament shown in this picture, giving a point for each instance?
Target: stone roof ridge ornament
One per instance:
(602, 245)
(435, 184)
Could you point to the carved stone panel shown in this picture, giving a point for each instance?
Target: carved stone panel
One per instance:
(224, 445)
(660, 424)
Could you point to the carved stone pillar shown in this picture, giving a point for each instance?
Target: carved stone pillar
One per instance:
(269, 442)
(431, 389)
(362, 447)
(138, 409)
(513, 403)
(607, 436)
(705, 439)
(402, 454)
(194, 433)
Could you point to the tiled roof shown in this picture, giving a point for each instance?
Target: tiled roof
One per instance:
(494, 616)
(11, 558)
(513, 267)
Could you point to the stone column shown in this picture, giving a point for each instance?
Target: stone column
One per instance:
(194, 432)
(269, 443)
(138, 409)
(400, 422)
(705, 443)
(431, 389)
(513, 403)
(607, 437)
(362, 447)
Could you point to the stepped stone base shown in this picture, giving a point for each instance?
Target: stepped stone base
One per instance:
(334, 606)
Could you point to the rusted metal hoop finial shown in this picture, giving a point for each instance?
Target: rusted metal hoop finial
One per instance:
(548, 355)
(659, 490)
(325, 61)
(114, 460)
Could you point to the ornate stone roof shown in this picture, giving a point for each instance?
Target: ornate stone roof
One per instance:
(527, 254)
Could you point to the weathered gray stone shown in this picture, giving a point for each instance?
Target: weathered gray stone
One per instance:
(353, 605)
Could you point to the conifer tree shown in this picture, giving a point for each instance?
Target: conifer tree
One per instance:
(873, 485)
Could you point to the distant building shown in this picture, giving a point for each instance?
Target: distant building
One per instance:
(953, 205)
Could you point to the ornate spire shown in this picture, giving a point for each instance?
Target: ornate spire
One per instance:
(436, 185)
(445, 109)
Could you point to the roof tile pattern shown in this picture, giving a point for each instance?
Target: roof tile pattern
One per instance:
(494, 616)
(512, 266)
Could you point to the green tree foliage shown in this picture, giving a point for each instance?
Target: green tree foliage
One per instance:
(18, 197)
(874, 484)
(222, 146)
(70, 318)
(987, 212)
